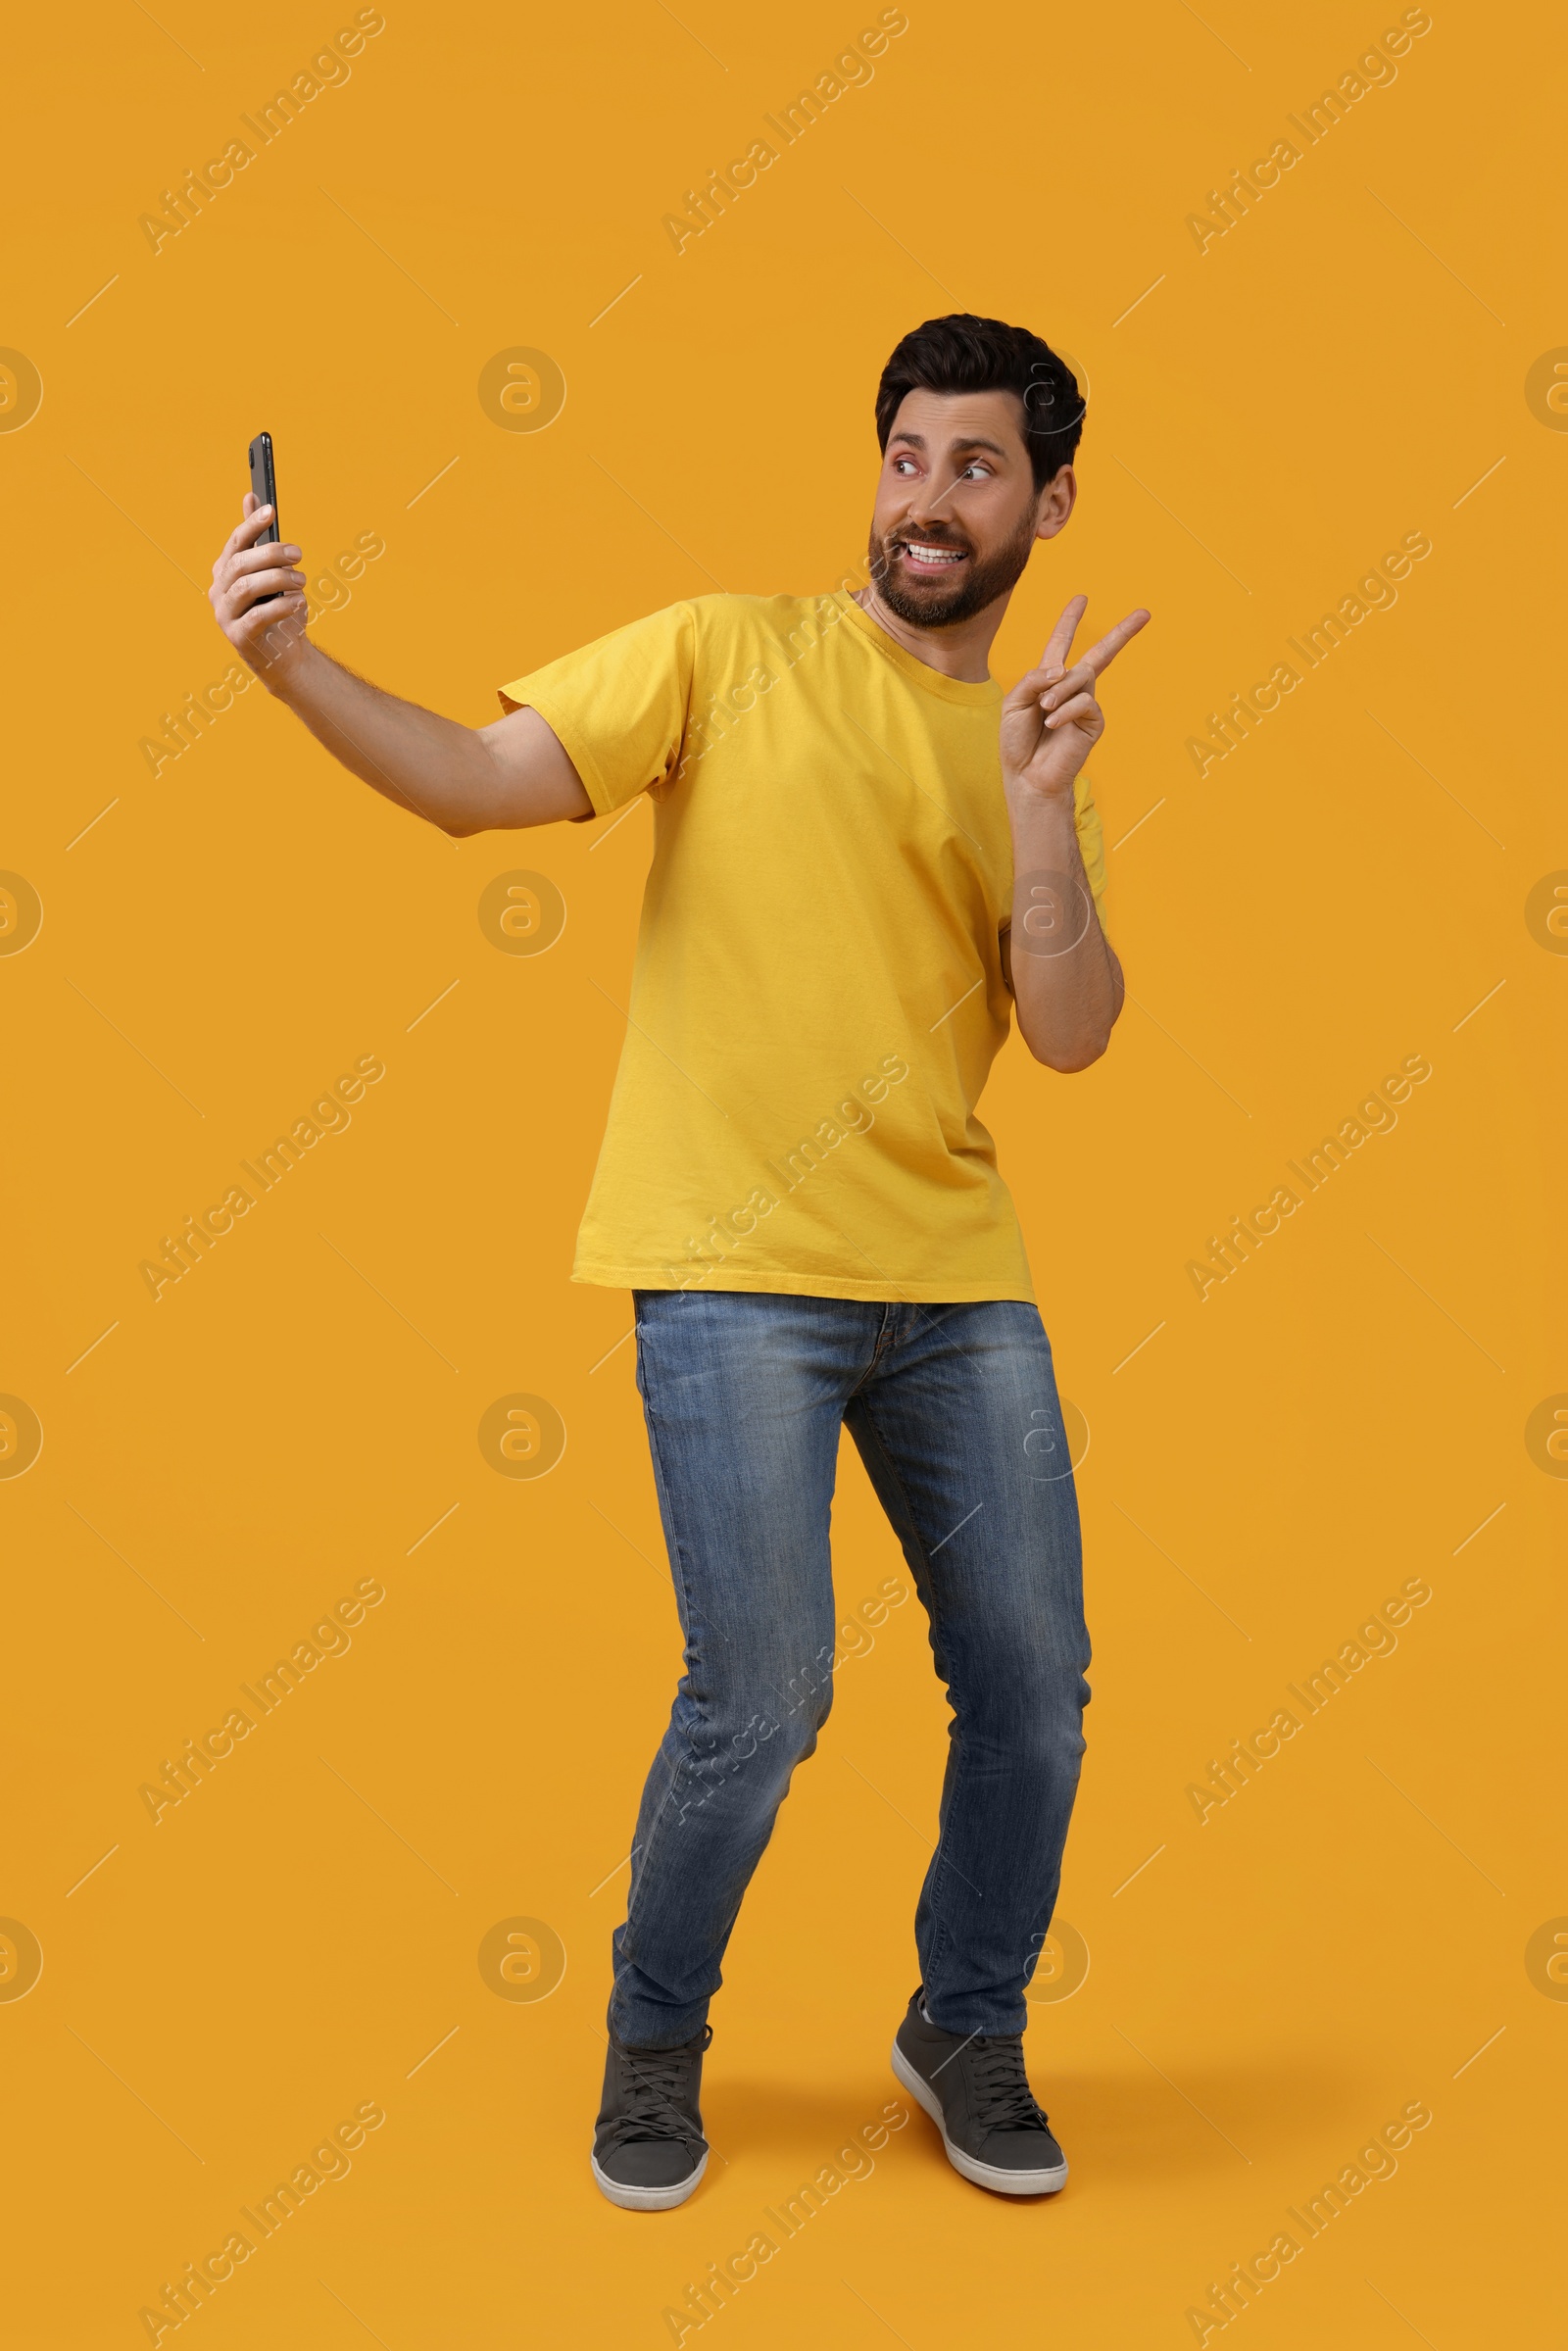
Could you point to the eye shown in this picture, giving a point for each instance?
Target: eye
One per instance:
(978, 469)
(903, 464)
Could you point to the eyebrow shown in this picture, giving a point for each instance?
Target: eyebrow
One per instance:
(968, 441)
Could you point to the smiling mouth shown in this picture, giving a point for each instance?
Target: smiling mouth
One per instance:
(930, 556)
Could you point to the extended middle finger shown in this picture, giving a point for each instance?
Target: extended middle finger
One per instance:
(1059, 643)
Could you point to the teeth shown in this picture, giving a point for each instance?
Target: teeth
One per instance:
(930, 555)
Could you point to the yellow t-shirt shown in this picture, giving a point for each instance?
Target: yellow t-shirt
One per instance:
(818, 992)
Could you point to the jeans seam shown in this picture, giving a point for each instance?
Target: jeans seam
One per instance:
(677, 1567)
(884, 1346)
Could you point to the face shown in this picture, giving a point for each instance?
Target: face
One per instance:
(957, 510)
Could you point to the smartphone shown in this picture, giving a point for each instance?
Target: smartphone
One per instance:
(264, 483)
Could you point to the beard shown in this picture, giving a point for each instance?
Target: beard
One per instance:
(943, 605)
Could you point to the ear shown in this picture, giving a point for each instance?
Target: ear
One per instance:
(1056, 501)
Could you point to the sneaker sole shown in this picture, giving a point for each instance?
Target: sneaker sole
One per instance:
(981, 2174)
(647, 2199)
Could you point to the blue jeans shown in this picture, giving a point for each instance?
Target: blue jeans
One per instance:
(956, 1414)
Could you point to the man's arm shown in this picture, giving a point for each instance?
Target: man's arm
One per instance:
(465, 779)
(1066, 983)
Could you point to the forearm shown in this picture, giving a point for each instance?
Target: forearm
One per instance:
(1068, 984)
(434, 767)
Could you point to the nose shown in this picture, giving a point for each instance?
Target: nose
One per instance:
(930, 505)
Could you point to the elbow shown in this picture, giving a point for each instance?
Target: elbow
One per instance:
(1068, 1061)
(1068, 1054)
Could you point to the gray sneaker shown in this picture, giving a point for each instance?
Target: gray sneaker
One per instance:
(977, 2093)
(649, 2149)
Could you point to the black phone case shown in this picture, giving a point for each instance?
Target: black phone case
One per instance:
(263, 485)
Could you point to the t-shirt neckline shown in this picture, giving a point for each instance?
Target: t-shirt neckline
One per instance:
(977, 692)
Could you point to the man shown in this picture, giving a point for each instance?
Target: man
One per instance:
(865, 857)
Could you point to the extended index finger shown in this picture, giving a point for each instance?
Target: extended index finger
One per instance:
(1099, 657)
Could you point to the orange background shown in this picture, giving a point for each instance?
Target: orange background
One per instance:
(220, 1990)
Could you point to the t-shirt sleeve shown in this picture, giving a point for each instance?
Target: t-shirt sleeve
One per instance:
(1091, 842)
(620, 705)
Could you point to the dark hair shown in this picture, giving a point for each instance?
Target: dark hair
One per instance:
(965, 354)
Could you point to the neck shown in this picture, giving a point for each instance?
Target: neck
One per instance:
(961, 651)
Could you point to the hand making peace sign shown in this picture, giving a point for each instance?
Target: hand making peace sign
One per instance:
(1050, 722)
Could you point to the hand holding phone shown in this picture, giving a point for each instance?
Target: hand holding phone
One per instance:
(255, 572)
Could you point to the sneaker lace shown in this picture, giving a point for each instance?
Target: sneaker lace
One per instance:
(654, 2089)
(999, 2085)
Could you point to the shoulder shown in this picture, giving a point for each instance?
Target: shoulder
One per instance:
(769, 615)
(770, 629)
